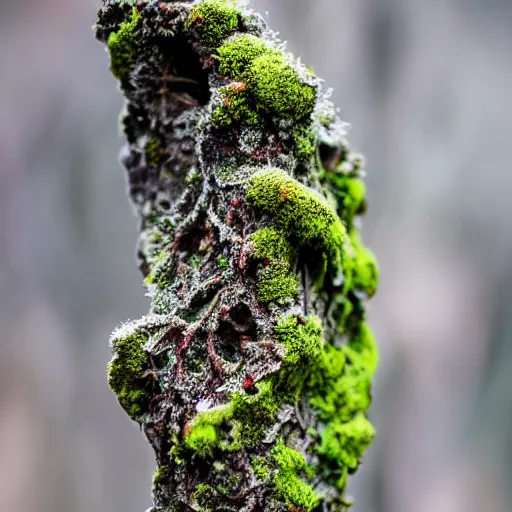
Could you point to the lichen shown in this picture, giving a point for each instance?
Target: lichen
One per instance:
(213, 21)
(122, 47)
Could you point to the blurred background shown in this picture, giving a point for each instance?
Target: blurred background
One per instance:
(426, 86)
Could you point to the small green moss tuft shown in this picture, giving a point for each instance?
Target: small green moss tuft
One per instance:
(254, 413)
(303, 339)
(122, 47)
(266, 85)
(271, 243)
(160, 474)
(237, 106)
(260, 467)
(236, 54)
(288, 486)
(345, 443)
(126, 373)
(213, 20)
(277, 284)
(278, 89)
(300, 212)
(202, 436)
(365, 272)
(304, 140)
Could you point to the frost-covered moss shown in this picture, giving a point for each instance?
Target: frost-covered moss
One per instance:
(266, 85)
(213, 21)
(278, 89)
(299, 212)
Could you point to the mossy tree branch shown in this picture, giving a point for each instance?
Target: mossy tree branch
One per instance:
(251, 374)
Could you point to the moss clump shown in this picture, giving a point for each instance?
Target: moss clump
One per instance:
(277, 282)
(300, 212)
(260, 467)
(349, 192)
(164, 268)
(236, 54)
(303, 339)
(237, 107)
(288, 486)
(122, 47)
(305, 141)
(205, 496)
(213, 21)
(267, 85)
(126, 373)
(339, 390)
(278, 89)
(254, 414)
(365, 272)
(202, 436)
(345, 443)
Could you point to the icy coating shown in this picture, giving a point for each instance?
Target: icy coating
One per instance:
(251, 373)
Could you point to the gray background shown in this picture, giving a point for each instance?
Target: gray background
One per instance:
(426, 86)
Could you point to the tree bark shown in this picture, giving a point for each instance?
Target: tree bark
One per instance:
(251, 374)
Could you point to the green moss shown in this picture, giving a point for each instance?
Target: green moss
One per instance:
(126, 373)
(163, 268)
(349, 192)
(260, 467)
(277, 88)
(365, 272)
(195, 261)
(236, 106)
(303, 339)
(122, 47)
(304, 140)
(288, 486)
(277, 282)
(271, 243)
(153, 150)
(300, 212)
(267, 85)
(160, 474)
(203, 494)
(362, 349)
(236, 54)
(254, 414)
(202, 436)
(213, 20)
(223, 261)
(345, 443)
